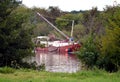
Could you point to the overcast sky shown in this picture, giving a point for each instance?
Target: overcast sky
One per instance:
(69, 5)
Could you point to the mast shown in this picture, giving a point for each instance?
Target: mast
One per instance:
(72, 28)
(53, 25)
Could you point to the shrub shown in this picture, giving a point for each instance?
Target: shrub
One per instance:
(7, 70)
(89, 53)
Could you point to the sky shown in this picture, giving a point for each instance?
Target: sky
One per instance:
(70, 5)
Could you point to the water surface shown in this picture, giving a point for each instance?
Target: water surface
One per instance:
(56, 62)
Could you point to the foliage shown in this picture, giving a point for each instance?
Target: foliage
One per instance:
(15, 40)
(40, 45)
(110, 48)
(7, 70)
(79, 32)
(104, 46)
(92, 21)
(42, 29)
(41, 67)
(65, 21)
(19, 23)
(89, 53)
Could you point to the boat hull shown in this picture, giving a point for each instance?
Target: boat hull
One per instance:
(60, 49)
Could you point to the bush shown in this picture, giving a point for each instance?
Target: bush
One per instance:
(41, 67)
(110, 49)
(89, 53)
(7, 70)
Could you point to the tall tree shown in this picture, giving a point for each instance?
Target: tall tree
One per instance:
(110, 41)
(92, 21)
(15, 41)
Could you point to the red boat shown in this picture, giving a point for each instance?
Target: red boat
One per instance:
(56, 46)
(61, 46)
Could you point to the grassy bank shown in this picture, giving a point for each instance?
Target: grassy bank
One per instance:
(23, 75)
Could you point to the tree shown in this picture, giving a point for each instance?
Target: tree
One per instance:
(43, 28)
(89, 53)
(79, 32)
(110, 48)
(15, 40)
(65, 21)
(92, 21)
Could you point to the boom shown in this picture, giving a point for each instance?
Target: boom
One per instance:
(53, 25)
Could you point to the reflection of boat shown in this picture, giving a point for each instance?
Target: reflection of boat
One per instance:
(58, 62)
(62, 46)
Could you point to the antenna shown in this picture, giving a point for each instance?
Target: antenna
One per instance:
(53, 26)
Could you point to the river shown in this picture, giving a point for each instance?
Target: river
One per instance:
(57, 62)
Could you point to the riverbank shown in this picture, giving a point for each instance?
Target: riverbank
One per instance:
(27, 75)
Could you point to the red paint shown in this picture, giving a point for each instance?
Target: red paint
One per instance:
(62, 49)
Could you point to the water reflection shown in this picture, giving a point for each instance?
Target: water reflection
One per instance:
(56, 62)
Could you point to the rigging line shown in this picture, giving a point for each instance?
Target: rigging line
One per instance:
(53, 25)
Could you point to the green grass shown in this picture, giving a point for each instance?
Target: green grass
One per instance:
(7, 70)
(25, 75)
